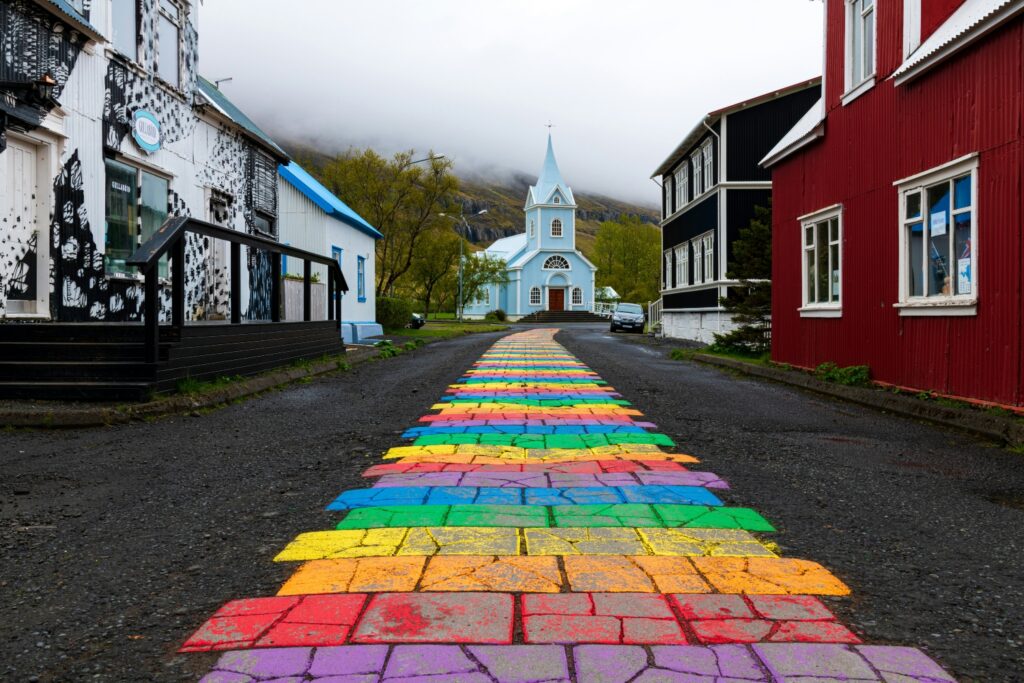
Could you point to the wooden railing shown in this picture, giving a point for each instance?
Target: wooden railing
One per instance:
(654, 316)
(169, 240)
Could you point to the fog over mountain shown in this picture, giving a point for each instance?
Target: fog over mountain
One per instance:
(621, 82)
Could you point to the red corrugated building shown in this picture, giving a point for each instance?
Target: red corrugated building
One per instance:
(898, 210)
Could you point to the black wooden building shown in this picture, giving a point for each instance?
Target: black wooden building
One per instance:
(712, 182)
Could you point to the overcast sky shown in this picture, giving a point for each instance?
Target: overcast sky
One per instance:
(623, 82)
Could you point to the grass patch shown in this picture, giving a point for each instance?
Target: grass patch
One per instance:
(447, 330)
(850, 376)
(192, 386)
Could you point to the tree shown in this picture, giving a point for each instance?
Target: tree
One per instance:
(750, 303)
(478, 271)
(436, 259)
(627, 253)
(398, 197)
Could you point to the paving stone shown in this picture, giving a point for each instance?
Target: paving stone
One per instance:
(799, 662)
(523, 663)
(482, 618)
(693, 516)
(769, 576)
(461, 541)
(589, 541)
(362, 575)
(599, 618)
(394, 516)
(904, 665)
(353, 660)
(267, 664)
(696, 542)
(672, 574)
(311, 620)
(413, 662)
(500, 574)
(615, 515)
(671, 495)
(323, 545)
(498, 515)
(717, 664)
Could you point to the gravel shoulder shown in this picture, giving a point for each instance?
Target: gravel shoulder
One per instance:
(925, 525)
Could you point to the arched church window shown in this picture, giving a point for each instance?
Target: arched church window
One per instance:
(556, 262)
(556, 228)
(577, 296)
(535, 296)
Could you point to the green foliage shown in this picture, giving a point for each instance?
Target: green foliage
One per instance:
(393, 312)
(478, 272)
(387, 350)
(750, 303)
(434, 265)
(192, 386)
(497, 315)
(851, 376)
(627, 254)
(681, 354)
(396, 196)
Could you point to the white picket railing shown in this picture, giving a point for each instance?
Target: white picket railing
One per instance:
(604, 308)
(654, 316)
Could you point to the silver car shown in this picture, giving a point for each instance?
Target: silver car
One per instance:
(629, 317)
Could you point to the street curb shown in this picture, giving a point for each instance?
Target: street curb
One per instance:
(994, 427)
(103, 417)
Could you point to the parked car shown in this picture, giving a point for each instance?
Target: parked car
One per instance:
(628, 317)
(417, 321)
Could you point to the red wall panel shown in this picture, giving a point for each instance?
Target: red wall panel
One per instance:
(972, 104)
(934, 12)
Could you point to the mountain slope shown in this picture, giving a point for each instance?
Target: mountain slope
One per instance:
(503, 198)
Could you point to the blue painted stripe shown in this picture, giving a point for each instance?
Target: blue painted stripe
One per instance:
(525, 429)
(473, 495)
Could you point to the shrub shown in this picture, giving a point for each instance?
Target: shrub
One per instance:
(393, 312)
(852, 376)
(500, 315)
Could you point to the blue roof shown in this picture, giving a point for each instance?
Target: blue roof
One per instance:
(212, 93)
(550, 179)
(325, 199)
(68, 10)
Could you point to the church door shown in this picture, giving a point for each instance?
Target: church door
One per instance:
(556, 299)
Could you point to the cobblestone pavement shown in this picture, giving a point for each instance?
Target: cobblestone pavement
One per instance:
(539, 533)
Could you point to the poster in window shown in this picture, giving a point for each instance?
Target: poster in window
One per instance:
(939, 223)
(963, 272)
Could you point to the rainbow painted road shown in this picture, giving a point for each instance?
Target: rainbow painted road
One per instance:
(537, 530)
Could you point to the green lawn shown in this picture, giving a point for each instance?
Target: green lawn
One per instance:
(447, 330)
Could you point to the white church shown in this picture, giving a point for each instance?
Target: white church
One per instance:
(545, 272)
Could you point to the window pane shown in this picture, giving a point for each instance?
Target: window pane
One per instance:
(167, 60)
(811, 280)
(123, 23)
(962, 192)
(809, 236)
(834, 253)
(153, 210)
(962, 245)
(913, 205)
(821, 266)
(915, 252)
(169, 7)
(940, 278)
(856, 46)
(833, 230)
(869, 45)
(122, 202)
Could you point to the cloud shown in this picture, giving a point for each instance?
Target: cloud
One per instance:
(478, 79)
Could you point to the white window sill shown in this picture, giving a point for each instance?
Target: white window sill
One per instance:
(857, 91)
(947, 308)
(26, 316)
(821, 312)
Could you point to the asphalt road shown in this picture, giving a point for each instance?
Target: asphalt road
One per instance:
(117, 542)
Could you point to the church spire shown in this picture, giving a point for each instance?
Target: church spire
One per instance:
(550, 178)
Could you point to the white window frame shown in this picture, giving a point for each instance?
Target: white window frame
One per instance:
(938, 304)
(860, 15)
(557, 222)
(707, 149)
(485, 296)
(532, 228)
(697, 246)
(535, 296)
(568, 266)
(666, 186)
(833, 306)
(556, 199)
(683, 184)
(708, 241)
(577, 296)
(696, 161)
(179, 22)
(682, 263)
(666, 277)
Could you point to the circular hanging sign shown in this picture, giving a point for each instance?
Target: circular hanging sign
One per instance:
(146, 131)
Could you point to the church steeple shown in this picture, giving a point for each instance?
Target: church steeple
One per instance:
(551, 188)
